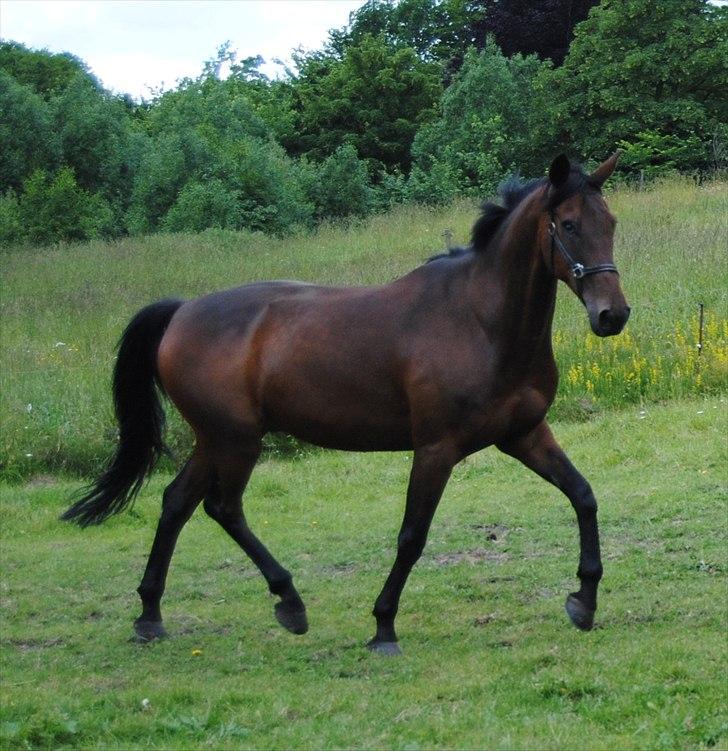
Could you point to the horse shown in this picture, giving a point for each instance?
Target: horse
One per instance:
(451, 358)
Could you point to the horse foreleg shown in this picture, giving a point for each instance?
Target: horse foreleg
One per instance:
(539, 451)
(179, 501)
(431, 470)
(224, 504)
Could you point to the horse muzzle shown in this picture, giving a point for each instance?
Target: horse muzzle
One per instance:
(608, 321)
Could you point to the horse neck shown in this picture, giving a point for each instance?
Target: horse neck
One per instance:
(524, 290)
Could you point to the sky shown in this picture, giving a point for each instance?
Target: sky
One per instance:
(133, 46)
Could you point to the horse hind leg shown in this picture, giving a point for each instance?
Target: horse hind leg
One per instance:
(179, 501)
(223, 503)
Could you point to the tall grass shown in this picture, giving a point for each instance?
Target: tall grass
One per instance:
(64, 307)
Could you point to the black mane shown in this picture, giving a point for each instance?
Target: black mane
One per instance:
(512, 191)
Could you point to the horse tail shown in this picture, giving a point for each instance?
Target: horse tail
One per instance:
(139, 414)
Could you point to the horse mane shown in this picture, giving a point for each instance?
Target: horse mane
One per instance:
(512, 191)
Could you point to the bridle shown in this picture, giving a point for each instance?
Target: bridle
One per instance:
(578, 270)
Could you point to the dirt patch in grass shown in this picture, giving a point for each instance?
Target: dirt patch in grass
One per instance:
(470, 556)
(493, 532)
(31, 645)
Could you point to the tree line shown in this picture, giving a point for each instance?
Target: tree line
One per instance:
(416, 100)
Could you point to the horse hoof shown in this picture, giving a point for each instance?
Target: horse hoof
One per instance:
(146, 631)
(291, 619)
(385, 648)
(581, 616)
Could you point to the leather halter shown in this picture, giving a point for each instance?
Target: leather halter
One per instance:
(578, 270)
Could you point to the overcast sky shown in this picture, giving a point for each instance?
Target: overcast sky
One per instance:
(131, 45)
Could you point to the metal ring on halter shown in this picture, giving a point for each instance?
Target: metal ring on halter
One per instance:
(578, 270)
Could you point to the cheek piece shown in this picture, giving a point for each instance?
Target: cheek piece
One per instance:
(578, 270)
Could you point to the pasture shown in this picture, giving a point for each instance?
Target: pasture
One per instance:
(490, 660)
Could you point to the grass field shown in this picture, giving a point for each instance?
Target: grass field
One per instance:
(64, 308)
(490, 660)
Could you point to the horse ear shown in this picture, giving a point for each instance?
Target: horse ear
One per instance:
(559, 170)
(604, 170)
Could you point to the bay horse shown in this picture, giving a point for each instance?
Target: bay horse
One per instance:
(451, 358)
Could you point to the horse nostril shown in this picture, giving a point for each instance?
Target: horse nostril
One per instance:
(606, 318)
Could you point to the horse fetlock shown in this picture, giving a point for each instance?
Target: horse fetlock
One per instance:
(590, 572)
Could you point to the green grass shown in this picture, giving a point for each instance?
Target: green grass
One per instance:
(64, 308)
(489, 661)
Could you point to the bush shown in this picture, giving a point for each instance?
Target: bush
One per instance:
(201, 206)
(54, 208)
(435, 186)
(339, 187)
(11, 226)
(657, 154)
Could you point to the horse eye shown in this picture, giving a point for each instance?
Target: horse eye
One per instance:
(569, 226)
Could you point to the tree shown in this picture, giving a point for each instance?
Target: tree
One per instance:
(640, 71)
(544, 28)
(27, 135)
(94, 131)
(374, 98)
(484, 128)
(46, 73)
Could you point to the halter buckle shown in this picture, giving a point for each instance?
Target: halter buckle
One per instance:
(578, 270)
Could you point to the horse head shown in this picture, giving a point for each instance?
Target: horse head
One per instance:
(580, 242)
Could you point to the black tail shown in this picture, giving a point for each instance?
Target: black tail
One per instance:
(139, 414)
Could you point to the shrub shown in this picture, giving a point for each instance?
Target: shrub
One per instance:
(54, 208)
(203, 205)
(339, 187)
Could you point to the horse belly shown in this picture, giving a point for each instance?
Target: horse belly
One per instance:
(338, 417)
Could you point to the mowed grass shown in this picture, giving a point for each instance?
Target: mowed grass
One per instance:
(489, 661)
(64, 308)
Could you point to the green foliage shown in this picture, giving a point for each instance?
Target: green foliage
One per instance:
(483, 130)
(365, 123)
(656, 153)
(434, 185)
(375, 98)
(55, 208)
(11, 225)
(28, 138)
(201, 206)
(166, 164)
(45, 73)
(651, 74)
(94, 134)
(272, 196)
(339, 186)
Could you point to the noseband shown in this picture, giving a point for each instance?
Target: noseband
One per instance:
(578, 270)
